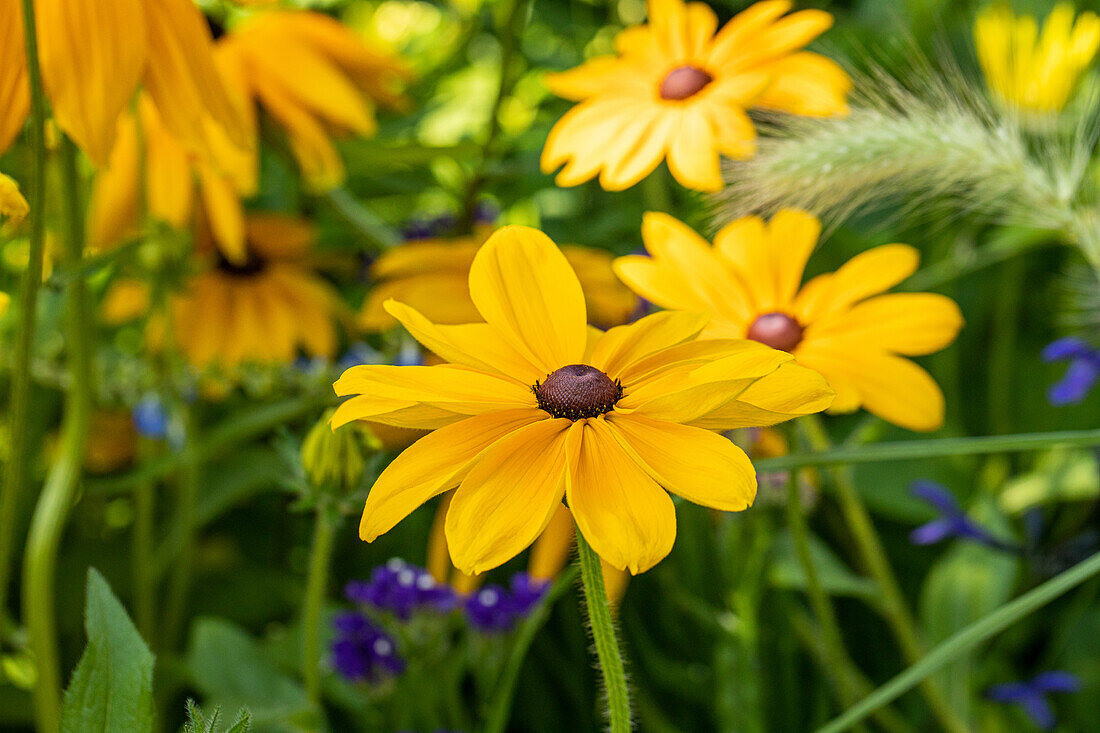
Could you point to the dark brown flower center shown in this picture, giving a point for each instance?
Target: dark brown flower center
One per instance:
(577, 391)
(683, 82)
(777, 330)
(252, 265)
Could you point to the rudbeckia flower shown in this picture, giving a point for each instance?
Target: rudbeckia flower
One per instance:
(836, 324)
(1030, 70)
(316, 79)
(175, 181)
(430, 275)
(679, 90)
(534, 405)
(94, 55)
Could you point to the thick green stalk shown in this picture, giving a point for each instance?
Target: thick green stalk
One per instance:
(501, 707)
(906, 450)
(15, 474)
(320, 556)
(891, 601)
(187, 496)
(837, 659)
(603, 632)
(966, 640)
(59, 492)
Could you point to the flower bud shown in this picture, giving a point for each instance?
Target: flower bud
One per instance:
(333, 458)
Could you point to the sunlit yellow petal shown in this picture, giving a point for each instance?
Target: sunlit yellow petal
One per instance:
(451, 387)
(790, 391)
(622, 346)
(868, 273)
(903, 323)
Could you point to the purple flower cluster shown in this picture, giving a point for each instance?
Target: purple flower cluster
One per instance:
(445, 225)
(496, 608)
(401, 588)
(363, 652)
(1082, 374)
(1031, 695)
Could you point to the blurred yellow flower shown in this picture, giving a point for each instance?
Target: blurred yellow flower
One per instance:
(13, 206)
(95, 54)
(1032, 71)
(749, 282)
(677, 89)
(172, 176)
(430, 275)
(316, 79)
(535, 405)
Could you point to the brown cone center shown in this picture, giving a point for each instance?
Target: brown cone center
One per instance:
(577, 391)
(777, 330)
(683, 82)
(253, 265)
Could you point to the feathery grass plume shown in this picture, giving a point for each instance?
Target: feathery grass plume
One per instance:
(928, 136)
(1080, 303)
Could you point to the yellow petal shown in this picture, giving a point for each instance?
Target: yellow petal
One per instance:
(509, 495)
(903, 323)
(394, 414)
(12, 204)
(15, 95)
(806, 83)
(441, 297)
(622, 346)
(644, 155)
(784, 36)
(597, 76)
(701, 466)
(609, 301)
(867, 273)
(770, 257)
(182, 78)
(279, 236)
(742, 28)
(790, 391)
(453, 388)
(92, 54)
(433, 464)
(692, 153)
(550, 552)
(525, 289)
(475, 345)
(169, 183)
(113, 203)
(427, 256)
(222, 205)
(627, 518)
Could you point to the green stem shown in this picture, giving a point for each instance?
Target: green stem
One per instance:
(59, 492)
(832, 641)
(179, 585)
(509, 39)
(966, 640)
(142, 548)
(876, 562)
(362, 219)
(603, 632)
(914, 449)
(15, 474)
(320, 556)
(501, 707)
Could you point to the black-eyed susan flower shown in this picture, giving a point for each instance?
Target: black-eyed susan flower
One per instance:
(1031, 70)
(317, 80)
(176, 180)
(430, 275)
(837, 324)
(13, 207)
(534, 405)
(94, 55)
(678, 90)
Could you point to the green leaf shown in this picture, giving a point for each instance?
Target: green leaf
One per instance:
(836, 578)
(112, 686)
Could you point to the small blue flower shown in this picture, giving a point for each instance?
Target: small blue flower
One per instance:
(1082, 374)
(357, 354)
(1031, 695)
(150, 418)
(401, 588)
(952, 522)
(362, 651)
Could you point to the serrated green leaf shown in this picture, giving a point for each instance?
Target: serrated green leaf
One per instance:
(112, 687)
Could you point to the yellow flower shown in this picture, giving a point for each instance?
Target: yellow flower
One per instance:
(534, 405)
(95, 54)
(749, 282)
(176, 180)
(679, 90)
(260, 311)
(316, 79)
(13, 206)
(430, 275)
(1032, 71)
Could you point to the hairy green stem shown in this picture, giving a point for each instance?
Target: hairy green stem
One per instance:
(187, 496)
(59, 492)
(603, 633)
(837, 659)
(906, 450)
(966, 640)
(891, 600)
(501, 707)
(15, 474)
(320, 556)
